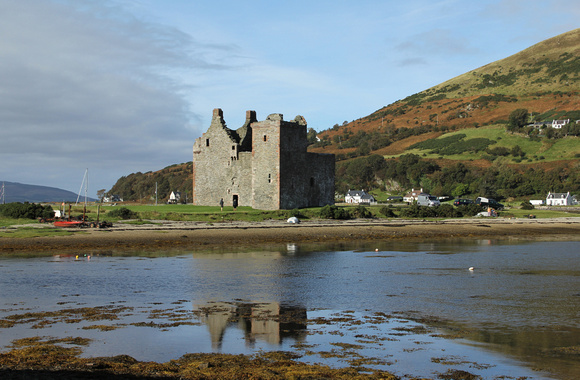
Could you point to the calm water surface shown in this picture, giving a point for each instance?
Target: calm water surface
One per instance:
(515, 310)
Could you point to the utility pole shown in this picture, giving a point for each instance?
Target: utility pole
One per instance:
(155, 193)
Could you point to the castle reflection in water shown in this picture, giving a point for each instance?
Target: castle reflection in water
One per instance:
(268, 322)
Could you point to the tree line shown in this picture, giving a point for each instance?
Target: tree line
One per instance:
(499, 181)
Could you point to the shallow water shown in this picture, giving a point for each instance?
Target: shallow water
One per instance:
(331, 304)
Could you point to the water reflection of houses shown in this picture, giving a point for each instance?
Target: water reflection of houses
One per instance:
(268, 322)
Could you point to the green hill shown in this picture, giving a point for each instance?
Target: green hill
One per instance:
(141, 186)
(543, 79)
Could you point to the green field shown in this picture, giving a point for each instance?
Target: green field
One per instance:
(536, 151)
(151, 214)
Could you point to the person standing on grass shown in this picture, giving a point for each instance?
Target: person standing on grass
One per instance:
(222, 204)
(235, 204)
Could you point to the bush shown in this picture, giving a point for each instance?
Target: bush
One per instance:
(333, 212)
(123, 213)
(415, 211)
(387, 212)
(446, 210)
(26, 210)
(526, 205)
(470, 210)
(361, 212)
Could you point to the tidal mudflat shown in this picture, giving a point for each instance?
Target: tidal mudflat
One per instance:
(411, 309)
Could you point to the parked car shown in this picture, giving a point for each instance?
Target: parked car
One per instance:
(488, 202)
(428, 200)
(462, 202)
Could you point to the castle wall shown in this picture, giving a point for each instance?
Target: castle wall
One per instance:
(220, 170)
(266, 165)
(275, 172)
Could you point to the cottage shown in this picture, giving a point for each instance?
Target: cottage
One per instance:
(174, 197)
(560, 199)
(558, 124)
(359, 196)
(412, 196)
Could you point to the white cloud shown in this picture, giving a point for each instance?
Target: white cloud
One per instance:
(84, 83)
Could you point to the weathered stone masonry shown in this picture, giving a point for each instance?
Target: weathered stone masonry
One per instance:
(263, 164)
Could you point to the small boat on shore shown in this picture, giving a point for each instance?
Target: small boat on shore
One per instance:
(69, 223)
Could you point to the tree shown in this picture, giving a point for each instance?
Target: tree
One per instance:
(517, 151)
(518, 118)
(101, 193)
(311, 136)
(460, 190)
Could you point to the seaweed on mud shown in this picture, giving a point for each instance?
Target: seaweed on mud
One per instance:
(47, 318)
(51, 361)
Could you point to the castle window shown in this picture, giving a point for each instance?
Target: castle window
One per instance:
(265, 138)
(233, 147)
(269, 178)
(311, 181)
(206, 142)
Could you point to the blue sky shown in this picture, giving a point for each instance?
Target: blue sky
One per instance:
(121, 86)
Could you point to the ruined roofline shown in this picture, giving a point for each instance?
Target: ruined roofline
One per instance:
(218, 115)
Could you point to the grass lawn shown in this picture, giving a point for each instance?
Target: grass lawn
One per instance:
(536, 151)
(147, 214)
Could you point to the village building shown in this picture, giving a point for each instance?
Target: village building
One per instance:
(263, 164)
(412, 196)
(558, 124)
(560, 199)
(174, 197)
(359, 196)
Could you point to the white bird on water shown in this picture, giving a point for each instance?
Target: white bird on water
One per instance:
(471, 269)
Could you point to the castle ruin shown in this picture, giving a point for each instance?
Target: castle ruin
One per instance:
(263, 164)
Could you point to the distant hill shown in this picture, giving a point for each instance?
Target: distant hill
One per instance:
(141, 186)
(19, 192)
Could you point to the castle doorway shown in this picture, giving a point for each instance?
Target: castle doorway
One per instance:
(235, 200)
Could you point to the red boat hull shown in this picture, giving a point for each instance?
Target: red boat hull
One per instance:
(68, 223)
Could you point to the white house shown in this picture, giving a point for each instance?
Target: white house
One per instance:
(412, 196)
(174, 197)
(358, 196)
(560, 199)
(558, 124)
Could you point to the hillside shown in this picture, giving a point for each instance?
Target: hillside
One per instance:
(543, 79)
(19, 192)
(141, 186)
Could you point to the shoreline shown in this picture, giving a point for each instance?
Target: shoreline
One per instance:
(202, 235)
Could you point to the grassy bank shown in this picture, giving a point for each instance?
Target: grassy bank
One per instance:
(148, 214)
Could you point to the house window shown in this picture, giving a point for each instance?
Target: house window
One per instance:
(206, 142)
(265, 138)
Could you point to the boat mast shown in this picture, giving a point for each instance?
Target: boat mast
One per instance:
(84, 183)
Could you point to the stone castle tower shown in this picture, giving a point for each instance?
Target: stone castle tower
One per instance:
(263, 164)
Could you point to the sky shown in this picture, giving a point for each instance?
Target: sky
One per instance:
(125, 86)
